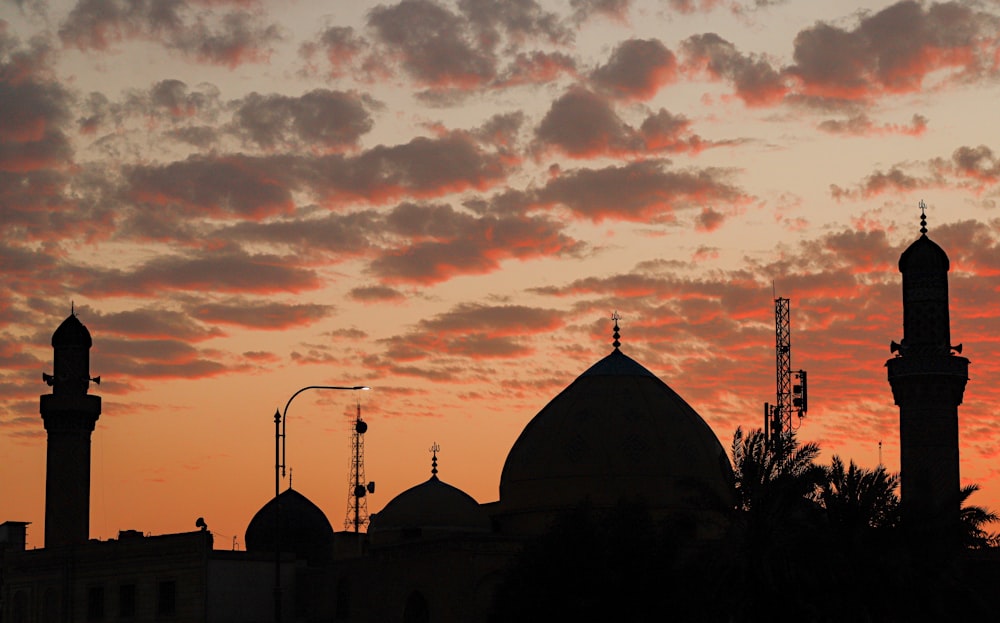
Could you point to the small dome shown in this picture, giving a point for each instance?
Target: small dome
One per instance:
(432, 506)
(304, 528)
(617, 432)
(923, 256)
(72, 333)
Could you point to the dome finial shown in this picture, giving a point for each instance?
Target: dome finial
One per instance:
(617, 336)
(434, 459)
(923, 217)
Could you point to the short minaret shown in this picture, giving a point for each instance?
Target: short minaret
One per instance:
(928, 380)
(69, 415)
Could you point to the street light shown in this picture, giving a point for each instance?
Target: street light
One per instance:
(280, 419)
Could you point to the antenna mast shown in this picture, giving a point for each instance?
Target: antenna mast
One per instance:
(789, 398)
(357, 500)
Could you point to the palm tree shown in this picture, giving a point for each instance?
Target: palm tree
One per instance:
(971, 520)
(857, 499)
(776, 544)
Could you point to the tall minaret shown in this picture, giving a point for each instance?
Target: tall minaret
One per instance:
(928, 380)
(69, 414)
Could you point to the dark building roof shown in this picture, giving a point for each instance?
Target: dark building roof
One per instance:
(924, 255)
(304, 528)
(71, 333)
(432, 505)
(617, 432)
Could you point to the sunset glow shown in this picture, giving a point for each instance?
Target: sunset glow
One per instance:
(446, 201)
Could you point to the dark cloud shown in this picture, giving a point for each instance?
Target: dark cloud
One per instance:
(640, 191)
(423, 167)
(342, 235)
(979, 163)
(434, 44)
(150, 323)
(637, 69)
(376, 294)
(516, 18)
(321, 118)
(536, 68)
(977, 168)
(894, 50)
(757, 83)
(208, 186)
(475, 331)
(226, 271)
(156, 359)
(862, 125)
(36, 108)
(664, 131)
(229, 39)
(583, 10)
(582, 124)
(442, 242)
(340, 45)
(271, 315)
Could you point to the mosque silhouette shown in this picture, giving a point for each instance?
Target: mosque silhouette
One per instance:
(616, 487)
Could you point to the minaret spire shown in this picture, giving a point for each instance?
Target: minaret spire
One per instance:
(69, 415)
(434, 449)
(928, 379)
(616, 335)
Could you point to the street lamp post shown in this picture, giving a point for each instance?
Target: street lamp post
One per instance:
(280, 419)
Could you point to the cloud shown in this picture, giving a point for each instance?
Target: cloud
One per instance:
(441, 242)
(636, 70)
(976, 168)
(474, 330)
(149, 323)
(584, 125)
(156, 359)
(756, 81)
(423, 167)
(321, 118)
(376, 294)
(894, 50)
(227, 271)
(270, 315)
(584, 10)
(36, 108)
(643, 191)
(340, 45)
(518, 19)
(862, 125)
(432, 44)
(228, 39)
(209, 186)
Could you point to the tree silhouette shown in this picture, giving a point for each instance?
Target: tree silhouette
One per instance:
(972, 520)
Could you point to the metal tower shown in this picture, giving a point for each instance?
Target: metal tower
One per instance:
(357, 500)
(789, 399)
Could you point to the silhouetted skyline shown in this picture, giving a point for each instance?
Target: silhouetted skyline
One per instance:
(446, 201)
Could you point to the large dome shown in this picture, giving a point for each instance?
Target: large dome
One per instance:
(303, 526)
(617, 432)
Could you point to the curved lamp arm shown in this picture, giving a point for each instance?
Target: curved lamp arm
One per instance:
(284, 414)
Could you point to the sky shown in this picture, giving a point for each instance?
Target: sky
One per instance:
(446, 201)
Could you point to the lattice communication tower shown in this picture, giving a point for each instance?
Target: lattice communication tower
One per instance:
(357, 493)
(790, 399)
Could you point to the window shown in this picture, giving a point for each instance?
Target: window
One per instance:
(95, 603)
(166, 600)
(126, 601)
